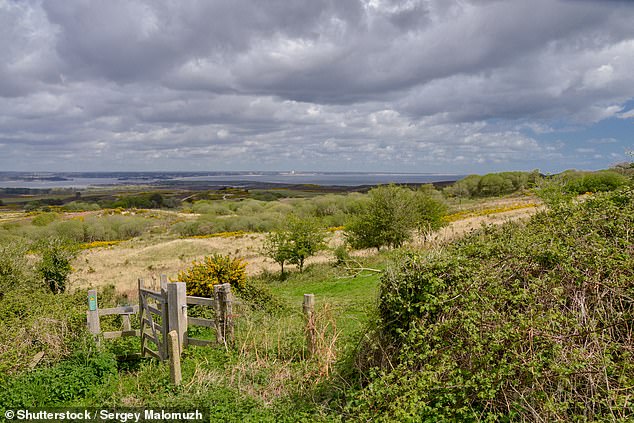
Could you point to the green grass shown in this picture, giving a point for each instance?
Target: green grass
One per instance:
(349, 298)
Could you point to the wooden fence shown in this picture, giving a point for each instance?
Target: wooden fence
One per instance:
(164, 321)
(163, 311)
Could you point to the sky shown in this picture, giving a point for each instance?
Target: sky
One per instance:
(440, 86)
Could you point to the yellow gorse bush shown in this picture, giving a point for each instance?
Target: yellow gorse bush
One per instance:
(98, 244)
(485, 212)
(201, 277)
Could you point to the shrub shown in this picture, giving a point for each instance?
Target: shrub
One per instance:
(54, 268)
(387, 220)
(13, 267)
(44, 219)
(390, 216)
(514, 323)
(202, 276)
(596, 182)
(493, 184)
(81, 206)
(277, 246)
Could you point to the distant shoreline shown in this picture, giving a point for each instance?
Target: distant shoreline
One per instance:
(217, 180)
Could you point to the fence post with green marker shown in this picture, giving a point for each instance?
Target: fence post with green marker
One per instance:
(93, 314)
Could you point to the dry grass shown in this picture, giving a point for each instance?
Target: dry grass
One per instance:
(122, 264)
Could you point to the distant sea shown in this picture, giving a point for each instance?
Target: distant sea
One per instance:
(97, 179)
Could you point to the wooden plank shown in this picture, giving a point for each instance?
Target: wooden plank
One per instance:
(201, 322)
(163, 279)
(199, 342)
(153, 294)
(152, 353)
(153, 310)
(35, 361)
(152, 338)
(152, 325)
(164, 329)
(309, 319)
(121, 333)
(126, 322)
(201, 301)
(133, 309)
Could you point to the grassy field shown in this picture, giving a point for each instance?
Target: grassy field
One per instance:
(268, 374)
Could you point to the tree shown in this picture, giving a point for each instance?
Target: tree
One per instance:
(386, 221)
(278, 247)
(390, 216)
(295, 242)
(429, 210)
(306, 239)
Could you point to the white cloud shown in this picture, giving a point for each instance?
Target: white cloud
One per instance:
(390, 84)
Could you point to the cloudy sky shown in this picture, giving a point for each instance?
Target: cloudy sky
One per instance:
(453, 86)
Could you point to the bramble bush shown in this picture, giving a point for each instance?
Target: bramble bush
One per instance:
(517, 322)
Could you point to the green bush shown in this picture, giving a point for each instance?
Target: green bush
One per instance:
(44, 219)
(493, 184)
(32, 319)
(54, 267)
(63, 383)
(391, 214)
(76, 206)
(14, 270)
(514, 323)
(596, 182)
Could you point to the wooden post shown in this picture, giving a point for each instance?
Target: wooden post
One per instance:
(220, 335)
(309, 317)
(126, 322)
(93, 315)
(177, 312)
(163, 279)
(227, 312)
(175, 358)
(141, 317)
(164, 307)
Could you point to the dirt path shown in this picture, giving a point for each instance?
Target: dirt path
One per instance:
(122, 264)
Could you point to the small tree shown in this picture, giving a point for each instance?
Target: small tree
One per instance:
(306, 239)
(278, 247)
(298, 240)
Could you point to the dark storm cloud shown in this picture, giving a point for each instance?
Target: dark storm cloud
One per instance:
(290, 83)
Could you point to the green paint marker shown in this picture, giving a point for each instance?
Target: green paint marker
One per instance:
(92, 302)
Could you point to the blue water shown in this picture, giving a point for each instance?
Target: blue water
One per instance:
(15, 180)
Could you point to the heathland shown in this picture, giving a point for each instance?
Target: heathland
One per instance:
(498, 297)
